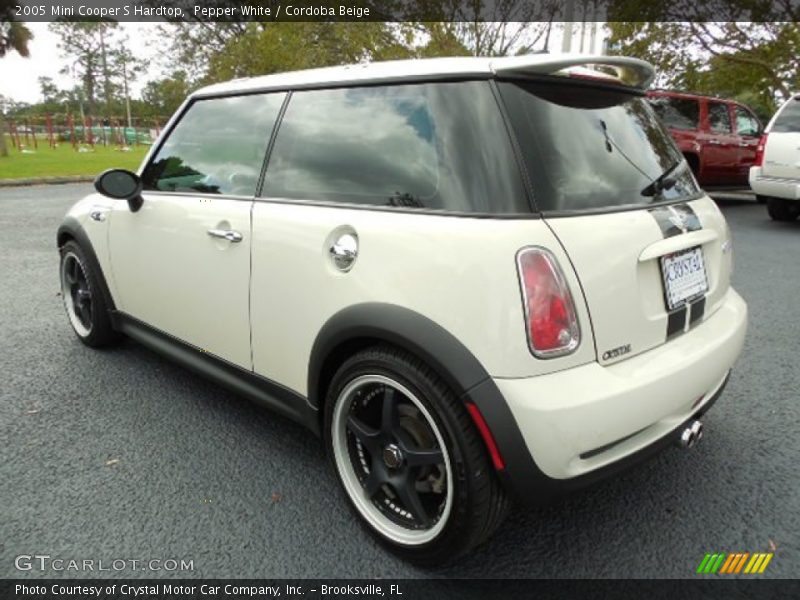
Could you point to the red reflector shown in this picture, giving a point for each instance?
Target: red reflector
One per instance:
(487, 436)
(762, 143)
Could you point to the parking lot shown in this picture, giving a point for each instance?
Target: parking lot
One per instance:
(119, 454)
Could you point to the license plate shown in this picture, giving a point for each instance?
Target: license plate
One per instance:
(684, 276)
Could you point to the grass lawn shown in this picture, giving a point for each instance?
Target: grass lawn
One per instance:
(64, 160)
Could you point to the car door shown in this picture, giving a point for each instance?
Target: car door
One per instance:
(720, 145)
(181, 263)
(748, 130)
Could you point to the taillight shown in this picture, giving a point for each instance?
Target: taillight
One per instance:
(762, 143)
(549, 309)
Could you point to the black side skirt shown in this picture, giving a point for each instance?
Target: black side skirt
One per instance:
(241, 381)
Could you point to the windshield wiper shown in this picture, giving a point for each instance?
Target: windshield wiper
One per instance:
(663, 182)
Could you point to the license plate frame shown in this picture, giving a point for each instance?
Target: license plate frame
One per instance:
(682, 289)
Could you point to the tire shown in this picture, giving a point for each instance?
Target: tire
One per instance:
(385, 410)
(782, 210)
(84, 302)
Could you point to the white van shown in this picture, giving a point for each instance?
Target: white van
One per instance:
(776, 174)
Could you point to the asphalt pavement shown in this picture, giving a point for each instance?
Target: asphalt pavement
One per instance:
(121, 455)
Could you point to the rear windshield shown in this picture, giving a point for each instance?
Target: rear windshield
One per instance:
(590, 148)
(788, 120)
(680, 113)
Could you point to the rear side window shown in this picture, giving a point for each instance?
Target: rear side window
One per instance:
(788, 120)
(680, 113)
(719, 119)
(423, 146)
(590, 148)
(217, 147)
(746, 123)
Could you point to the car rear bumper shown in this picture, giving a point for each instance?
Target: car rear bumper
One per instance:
(775, 187)
(581, 424)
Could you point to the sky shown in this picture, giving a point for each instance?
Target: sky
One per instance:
(19, 76)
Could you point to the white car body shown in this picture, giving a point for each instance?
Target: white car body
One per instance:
(778, 175)
(639, 373)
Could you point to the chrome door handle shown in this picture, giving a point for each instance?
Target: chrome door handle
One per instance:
(226, 234)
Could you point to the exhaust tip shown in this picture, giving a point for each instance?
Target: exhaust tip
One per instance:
(691, 434)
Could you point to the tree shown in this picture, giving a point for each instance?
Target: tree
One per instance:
(284, 46)
(757, 60)
(212, 51)
(87, 44)
(482, 27)
(163, 97)
(52, 97)
(442, 39)
(14, 37)
(195, 43)
(124, 65)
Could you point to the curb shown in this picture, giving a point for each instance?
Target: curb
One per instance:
(46, 180)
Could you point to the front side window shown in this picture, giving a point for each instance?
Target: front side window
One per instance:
(217, 147)
(589, 148)
(422, 146)
(678, 113)
(719, 119)
(746, 123)
(788, 120)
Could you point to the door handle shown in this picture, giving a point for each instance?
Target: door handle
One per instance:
(226, 234)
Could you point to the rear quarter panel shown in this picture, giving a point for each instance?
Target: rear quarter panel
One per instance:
(459, 272)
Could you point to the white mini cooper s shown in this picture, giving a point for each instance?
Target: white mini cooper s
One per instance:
(474, 278)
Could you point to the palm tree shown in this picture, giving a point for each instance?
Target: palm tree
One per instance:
(14, 37)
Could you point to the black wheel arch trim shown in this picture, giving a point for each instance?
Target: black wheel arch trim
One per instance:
(440, 350)
(401, 327)
(71, 228)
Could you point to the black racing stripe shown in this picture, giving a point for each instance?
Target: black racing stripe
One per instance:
(698, 308)
(676, 219)
(676, 321)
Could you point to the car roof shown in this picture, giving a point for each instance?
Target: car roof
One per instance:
(629, 71)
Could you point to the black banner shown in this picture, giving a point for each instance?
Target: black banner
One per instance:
(400, 10)
(402, 589)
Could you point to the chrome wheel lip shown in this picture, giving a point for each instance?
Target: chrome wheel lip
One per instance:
(353, 486)
(66, 294)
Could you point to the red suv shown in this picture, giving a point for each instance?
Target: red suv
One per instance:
(718, 137)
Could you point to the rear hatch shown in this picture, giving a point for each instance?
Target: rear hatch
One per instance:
(645, 243)
(782, 151)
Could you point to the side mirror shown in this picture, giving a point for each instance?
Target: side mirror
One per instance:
(120, 184)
